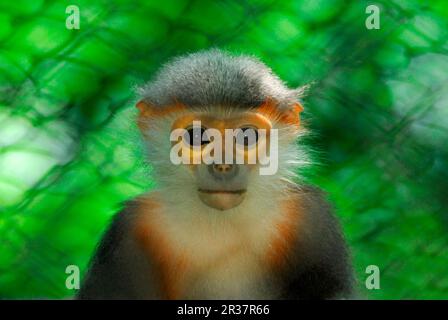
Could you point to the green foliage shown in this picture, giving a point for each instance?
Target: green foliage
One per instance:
(378, 108)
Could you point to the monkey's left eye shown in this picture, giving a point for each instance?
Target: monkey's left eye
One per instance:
(247, 136)
(196, 136)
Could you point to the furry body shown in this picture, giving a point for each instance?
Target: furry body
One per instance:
(222, 259)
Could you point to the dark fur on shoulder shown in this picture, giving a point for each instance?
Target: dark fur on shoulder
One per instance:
(321, 269)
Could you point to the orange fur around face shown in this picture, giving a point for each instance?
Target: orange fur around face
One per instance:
(245, 119)
(290, 116)
(147, 111)
(261, 117)
(269, 109)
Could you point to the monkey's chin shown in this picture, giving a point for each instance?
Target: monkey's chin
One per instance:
(222, 200)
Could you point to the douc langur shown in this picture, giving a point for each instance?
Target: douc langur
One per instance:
(221, 230)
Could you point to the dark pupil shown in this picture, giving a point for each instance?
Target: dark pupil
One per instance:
(248, 136)
(194, 137)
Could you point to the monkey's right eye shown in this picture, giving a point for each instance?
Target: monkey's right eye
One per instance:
(196, 136)
(247, 136)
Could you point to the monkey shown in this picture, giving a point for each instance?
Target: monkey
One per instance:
(221, 230)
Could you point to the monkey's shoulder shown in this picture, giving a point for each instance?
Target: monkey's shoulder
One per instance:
(317, 208)
(117, 230)
(116, 268)
(320, 266)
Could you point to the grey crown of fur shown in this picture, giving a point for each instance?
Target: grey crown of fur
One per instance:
(215, 77)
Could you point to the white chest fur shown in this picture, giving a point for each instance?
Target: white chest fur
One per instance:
(226, 253)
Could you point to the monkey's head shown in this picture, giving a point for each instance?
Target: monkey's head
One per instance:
(220, 128)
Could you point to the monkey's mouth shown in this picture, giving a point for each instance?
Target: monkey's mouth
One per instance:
(222, 199)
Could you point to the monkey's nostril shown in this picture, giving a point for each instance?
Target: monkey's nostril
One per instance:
(223, 171)
(222, 168)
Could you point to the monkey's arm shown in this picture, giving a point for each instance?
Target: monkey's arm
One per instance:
(118, 269)
(322, 267)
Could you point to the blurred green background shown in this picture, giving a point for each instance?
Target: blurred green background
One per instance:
(378, 109)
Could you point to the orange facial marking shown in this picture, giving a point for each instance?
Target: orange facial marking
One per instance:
(245, 119)
(290, 116)
(285, 235)
(148, 111)
(170, 266)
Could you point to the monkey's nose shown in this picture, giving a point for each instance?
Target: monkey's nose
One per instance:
(222, 168)
(223, 171)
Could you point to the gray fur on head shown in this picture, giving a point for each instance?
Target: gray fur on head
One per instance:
(215, 77)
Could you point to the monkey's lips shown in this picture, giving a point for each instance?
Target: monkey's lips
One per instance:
(222, 199)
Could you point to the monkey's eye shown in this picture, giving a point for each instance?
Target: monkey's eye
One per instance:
(247, 136)
(196, 137)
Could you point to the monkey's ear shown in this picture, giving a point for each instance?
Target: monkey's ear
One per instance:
(145, 108)
(148, 110)
(292, 114)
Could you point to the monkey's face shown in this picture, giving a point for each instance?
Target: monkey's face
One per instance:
(222, 153)
(216, 156)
